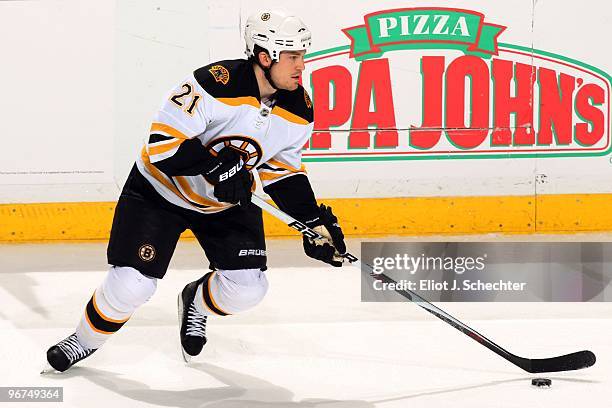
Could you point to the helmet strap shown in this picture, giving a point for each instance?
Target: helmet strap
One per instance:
(265, 69)
(269, 75)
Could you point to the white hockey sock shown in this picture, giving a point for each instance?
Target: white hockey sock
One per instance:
(228, 292)
(112, 304)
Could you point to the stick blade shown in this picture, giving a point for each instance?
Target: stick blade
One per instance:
(567, 362)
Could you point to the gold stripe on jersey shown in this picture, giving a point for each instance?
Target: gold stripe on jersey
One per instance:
(241, 100)
(285, 166)
(291, 117)
(195, 198)
(162, 178)
(272, 176)
(163, 148)
(158, 175)
(162, 127)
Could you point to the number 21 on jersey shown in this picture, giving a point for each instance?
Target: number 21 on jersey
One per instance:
(186, 99)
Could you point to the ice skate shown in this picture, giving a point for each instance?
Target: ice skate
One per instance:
(192, 323)
(66, 353)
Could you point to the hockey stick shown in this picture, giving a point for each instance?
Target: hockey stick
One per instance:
(567, 362)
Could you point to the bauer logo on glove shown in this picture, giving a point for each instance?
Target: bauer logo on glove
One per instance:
(230, 177)
(231, 172)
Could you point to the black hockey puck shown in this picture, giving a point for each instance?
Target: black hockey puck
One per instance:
(541, 382)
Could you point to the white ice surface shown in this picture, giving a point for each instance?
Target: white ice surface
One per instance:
(311, 343)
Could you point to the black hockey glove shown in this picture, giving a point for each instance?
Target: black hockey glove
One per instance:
(331, 248)
(230, 177)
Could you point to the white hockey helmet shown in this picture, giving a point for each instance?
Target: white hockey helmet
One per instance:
(276, 31)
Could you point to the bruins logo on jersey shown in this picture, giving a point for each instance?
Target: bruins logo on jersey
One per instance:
(220, 73)
(249, 148)
(307, 99)
(265, 16)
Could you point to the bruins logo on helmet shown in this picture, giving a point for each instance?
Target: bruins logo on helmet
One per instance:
(307, 99)
(220, 73)
(265, 16)
(249, 148)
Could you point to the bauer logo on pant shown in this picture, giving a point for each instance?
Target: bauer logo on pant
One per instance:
(252, 252)
(146, 252)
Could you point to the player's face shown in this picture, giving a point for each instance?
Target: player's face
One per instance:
(287, 71)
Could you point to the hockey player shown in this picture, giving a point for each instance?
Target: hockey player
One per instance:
(214, 129)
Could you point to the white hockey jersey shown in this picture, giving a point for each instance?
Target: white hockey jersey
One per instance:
(219, 105)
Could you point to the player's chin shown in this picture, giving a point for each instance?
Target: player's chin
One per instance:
(290, 86)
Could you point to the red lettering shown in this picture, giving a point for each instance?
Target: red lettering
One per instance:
(428, 135)
(589, 113)
(374, 85)
(457, 71)
(505, 105)
(555, 107)
(325, 115)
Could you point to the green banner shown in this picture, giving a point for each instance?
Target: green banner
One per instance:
(418, 28)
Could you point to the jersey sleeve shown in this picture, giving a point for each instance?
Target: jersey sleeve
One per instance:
(284, 179)
(287, 162)
(173, 145)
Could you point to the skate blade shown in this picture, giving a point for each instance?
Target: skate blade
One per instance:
(186, 357)
(179, 301)
(47, 369)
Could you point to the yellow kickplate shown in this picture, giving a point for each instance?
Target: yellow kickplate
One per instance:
(362, 217)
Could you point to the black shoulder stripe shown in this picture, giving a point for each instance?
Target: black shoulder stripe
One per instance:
(297, 102)
(228, 79)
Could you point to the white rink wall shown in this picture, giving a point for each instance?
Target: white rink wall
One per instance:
(84, 79)
(58, 115)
